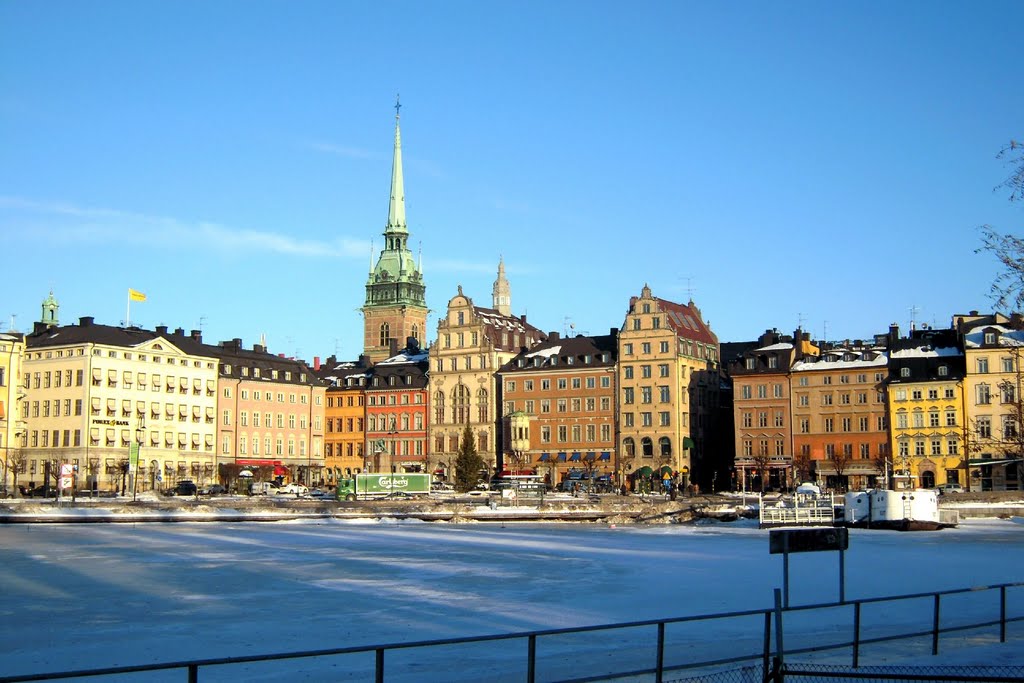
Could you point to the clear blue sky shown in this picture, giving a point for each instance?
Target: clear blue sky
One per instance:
(822, 162)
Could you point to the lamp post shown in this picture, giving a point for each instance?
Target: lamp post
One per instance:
(134, 458)
(519, 424)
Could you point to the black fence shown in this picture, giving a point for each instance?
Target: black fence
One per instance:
(756, 646)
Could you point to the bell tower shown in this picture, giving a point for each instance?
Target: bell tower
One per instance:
(50, 309)
(501, 293)
(396, 305)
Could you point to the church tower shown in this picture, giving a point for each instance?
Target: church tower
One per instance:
(50, 308)
(501, 293)
(396, 305)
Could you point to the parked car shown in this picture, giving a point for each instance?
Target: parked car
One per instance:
(293, 489)
(214, 490)
(949, 488)
(185, 487)
(262, 488)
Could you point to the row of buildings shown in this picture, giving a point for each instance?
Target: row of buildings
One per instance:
(658, 396)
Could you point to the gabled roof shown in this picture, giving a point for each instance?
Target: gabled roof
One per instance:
(686, 321)
(573, 353)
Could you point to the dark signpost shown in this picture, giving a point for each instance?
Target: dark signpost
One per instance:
(786, 541)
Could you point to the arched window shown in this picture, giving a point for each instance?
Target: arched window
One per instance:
(928, 480)
(460, 404)
(647, 447)
(385, 334)
(481, 401)
(629, 447)
(665, 446)
(439, 407)
(416, 332)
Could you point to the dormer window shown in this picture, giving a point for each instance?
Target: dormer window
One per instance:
(569, 360)
(554, 360)
(990, 338)
(521, 362)
(904, 372)
(773, 361)
(751, 363)
(943, 371)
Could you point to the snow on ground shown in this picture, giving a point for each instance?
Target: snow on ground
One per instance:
(93, 595)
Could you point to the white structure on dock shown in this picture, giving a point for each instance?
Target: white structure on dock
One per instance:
(806, 509)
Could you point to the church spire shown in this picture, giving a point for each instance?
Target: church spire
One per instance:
(501, 293)
(50, 308)
(396, 208)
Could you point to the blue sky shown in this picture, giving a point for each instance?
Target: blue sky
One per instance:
(799, 162)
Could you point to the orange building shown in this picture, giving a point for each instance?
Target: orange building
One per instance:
(761, 410)
(565, 389)
(839, 414)
(345, 417)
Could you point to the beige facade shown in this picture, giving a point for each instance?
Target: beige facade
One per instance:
(92, 390)
(992, 401)
(472, 344)
(669, 384)
(12, 427)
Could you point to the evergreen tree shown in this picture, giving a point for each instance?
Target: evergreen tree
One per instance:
(468, 463)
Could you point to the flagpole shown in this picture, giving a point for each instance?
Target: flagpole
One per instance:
(128, 313)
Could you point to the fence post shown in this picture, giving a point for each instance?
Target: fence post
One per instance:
(661, 653)
(856, 634)
(531, 663)
(935, 627)
(193, 673)
(1002, 614)
(766, 661)
(779, 646)
(378, 675)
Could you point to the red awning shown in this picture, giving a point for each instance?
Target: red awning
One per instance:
(280, 469)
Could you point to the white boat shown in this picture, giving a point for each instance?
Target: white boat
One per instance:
(910, 510)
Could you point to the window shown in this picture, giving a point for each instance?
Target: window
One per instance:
(645, 347)
(664, 394)
(984, 425)
(829, 426)
(664, 347)
(983, 363)
(1007, 364)
(983, 395)
(627, 372)
(627, 349)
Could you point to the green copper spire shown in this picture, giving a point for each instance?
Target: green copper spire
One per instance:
(396, 279)
(396, 209)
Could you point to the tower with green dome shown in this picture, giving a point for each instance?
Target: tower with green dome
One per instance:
(396, 304)
(50, 309)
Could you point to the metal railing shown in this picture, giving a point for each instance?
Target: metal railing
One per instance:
(657, 668)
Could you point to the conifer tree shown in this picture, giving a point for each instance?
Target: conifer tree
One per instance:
(468, 463)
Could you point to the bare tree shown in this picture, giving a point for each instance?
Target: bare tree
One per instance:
(840, 461)
(802, 467)
(1007, 290)
(761, 463)
(14, 463)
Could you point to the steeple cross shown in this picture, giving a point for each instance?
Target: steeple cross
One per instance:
(398, 107)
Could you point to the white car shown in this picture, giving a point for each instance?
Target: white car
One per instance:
(949, 488)
(292, 489)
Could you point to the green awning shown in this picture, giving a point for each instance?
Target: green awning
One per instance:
(645, 471)
(666, 468)
(688, 443)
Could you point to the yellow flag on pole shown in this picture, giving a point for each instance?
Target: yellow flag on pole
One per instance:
(136, 296)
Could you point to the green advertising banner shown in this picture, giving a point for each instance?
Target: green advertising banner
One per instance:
(133, 455)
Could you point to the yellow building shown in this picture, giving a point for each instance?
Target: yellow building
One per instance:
(926, 411)
(472, 344)
(92, 390)
(669, 388)
(992, 401)
(12, 429)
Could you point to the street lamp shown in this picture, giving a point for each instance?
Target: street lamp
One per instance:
(135, 457)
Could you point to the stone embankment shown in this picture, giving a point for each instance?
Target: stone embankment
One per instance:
(607, 509)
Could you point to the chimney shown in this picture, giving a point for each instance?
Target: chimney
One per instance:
(86, 321)
(180, 331)
(392, 347)
(522, 318)
(38, 327)
(259, 348)
(613, 332)
(197, 336)
(316, 363)
(161, 330)
(413, 344)
(553, 336)
(364, 360)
